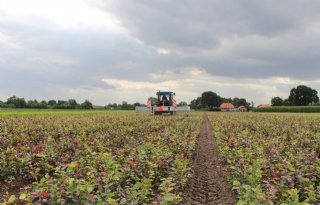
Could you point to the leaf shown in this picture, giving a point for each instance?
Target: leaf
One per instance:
(12, 199)
(168, 189)
(91, 197)
(74, 164)
(37, 149)
(23, 196)
(168, 197)
(236, 183)
(45, 193)
(291, 168)
(90, 188)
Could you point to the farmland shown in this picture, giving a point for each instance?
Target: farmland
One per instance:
(273, 158)
(92, 157)
(115, 157)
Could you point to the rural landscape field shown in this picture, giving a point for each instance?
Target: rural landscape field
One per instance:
(128, 158)
(195, 102)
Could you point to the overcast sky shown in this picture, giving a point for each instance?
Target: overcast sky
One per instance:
(114, 50)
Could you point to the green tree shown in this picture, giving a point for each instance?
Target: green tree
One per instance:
(182, 103)
(52, 102)
(17, 102)
(227, 100)
(136, 104)
(43, 104)
(303, 95)
(243, 102)
(286, 102)
(86, 105)
(235, 101)
(276, 101)
(210, 99)
(32, 103)
(72, 103)
(195, 104)
(126, 106)
(61, 102)
(115, 106)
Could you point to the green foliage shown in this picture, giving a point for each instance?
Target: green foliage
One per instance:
(297, 109)
(182, 103)
(86, 105)
(303, 95)
(16, 102)
(52, 102)
(238, 102)
(196, 104)
(272, 158)
(73, 104)
(210, 99)
(114, 157)
(36, 104)
(126, 106)
(276, 101)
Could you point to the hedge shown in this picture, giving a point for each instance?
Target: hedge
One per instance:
(309, 109)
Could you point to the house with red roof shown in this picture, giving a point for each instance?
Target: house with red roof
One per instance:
(264, 105)
(227, 107)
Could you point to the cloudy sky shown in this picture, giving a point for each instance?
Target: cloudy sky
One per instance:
(114, 50)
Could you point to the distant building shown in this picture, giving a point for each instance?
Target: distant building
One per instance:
(264, 105)
(98, 107)
(242, 108)
(227, 107)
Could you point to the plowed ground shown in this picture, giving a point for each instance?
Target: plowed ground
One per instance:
(209, 183)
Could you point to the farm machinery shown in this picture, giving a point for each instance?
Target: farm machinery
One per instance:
(164, 103)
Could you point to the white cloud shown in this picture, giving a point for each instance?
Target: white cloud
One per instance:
(9, 41)
(65, 14)
(163, 51)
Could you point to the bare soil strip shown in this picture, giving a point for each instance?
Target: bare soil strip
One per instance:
(209, 183)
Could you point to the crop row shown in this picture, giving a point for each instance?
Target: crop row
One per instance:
(297, 109)
(115, 158)
(273, 159)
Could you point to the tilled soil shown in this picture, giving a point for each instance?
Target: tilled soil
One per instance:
(209, 183)
(14, 187)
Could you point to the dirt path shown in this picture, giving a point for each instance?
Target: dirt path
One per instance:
(209, 183)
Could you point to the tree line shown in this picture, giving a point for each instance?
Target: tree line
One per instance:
(17, 102)
(123, 106)
(300, 96)
(211, 101)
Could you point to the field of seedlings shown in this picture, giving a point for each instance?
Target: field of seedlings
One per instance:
(101, 157)
(93, 158)
(272, 158)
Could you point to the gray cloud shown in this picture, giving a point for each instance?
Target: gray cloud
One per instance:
(285, 47)
(231, 41)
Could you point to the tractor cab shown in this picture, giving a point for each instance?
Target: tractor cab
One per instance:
(165, 104)
(165, 98)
